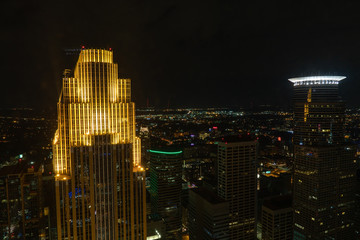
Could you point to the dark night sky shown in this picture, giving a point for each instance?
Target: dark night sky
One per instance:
(191, 53)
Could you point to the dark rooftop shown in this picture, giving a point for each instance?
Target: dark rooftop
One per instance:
(13, 169)
(279, 202)
(17, 169)
(237, 138)
(208, 195)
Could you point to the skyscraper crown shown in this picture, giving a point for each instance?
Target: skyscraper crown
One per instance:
(96, 55)
(316, 80)
(94, 101)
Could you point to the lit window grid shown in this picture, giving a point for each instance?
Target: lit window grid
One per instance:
(83, 112)
(322, 175)
(95, 106)
(237, 184)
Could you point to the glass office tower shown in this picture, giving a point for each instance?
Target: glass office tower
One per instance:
(165, 189)
(21, 202)
(323, 164)
(237, 184)
(100, 185)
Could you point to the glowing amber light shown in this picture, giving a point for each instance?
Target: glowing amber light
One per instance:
(100, 184)
(87, 108)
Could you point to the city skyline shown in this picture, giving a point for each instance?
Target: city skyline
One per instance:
(232, 161)
(175, 120)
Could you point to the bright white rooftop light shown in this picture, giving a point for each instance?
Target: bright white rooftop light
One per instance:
(314, 80)
(317, 78)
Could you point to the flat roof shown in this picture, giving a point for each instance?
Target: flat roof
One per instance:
(209, 196)
(321, 79)
(17, 169)
(237, 138)
(279, 202)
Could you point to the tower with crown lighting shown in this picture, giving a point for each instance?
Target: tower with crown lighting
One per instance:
(100, 185)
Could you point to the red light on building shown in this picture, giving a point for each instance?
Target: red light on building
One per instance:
(83, 47)
(279, 139)
(215, 128)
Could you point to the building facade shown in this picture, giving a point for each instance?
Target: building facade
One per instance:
(100, 184)
(208, 216)
(21, 208)
(165, 189)
(277, 218)
(357, 203)
(237, 184)
(323, 163)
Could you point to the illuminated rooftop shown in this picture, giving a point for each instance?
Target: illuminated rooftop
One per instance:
(316, 80)
(165, 152)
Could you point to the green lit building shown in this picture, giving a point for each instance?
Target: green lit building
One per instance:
(165, 189)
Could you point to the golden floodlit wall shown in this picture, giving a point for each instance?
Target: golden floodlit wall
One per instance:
(93, 102)
(100, 184)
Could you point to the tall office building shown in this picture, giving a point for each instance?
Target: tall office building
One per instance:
(323, 164)
(237, 184)
(357, 203)
(277, 218)
(100, 185)
(21, 209)
(165, 189)
(208, 216)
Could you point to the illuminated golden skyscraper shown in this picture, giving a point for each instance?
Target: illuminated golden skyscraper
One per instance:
(100, 185)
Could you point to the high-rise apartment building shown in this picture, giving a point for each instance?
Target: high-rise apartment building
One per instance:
(100, 185)
(324, 166)
(208, 216)
(237, 184)
(165, 189)
(21, 209)
(277, 218)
